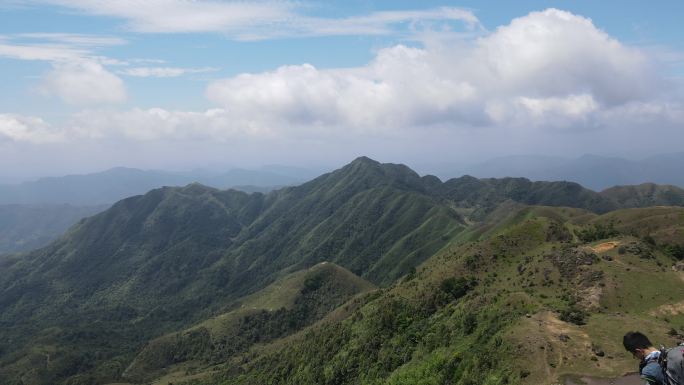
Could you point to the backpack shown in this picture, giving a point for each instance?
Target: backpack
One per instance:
(672, 363)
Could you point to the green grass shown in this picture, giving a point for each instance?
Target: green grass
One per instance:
(411, 333)
(300, 298)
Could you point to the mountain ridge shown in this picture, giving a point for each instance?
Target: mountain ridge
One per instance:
(592, 171)
(174, 256)
(160, 262)
(109, 186)
(529, 304)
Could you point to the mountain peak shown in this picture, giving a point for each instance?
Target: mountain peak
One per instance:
(370, 172)
(196, 188)
(364, 160)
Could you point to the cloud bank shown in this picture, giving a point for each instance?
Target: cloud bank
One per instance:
(544, 74)
(78, 76)
(547, 69)
(17, 128)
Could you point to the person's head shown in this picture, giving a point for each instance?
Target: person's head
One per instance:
(637, 344)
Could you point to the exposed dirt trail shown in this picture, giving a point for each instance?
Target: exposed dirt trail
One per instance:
(605, 246)
(631, 379)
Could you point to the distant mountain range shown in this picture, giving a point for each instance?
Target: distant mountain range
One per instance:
(112, 185)
(106, 187)
(28, 227)
(34, 213)
(592, 171)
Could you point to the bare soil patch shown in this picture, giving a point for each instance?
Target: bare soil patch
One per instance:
(631, 379)
(602, 247)
(669, 309)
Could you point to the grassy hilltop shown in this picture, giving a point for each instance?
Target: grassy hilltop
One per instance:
(481, 281)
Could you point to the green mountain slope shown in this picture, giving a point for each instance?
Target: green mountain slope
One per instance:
(647, 194)
(486, 194)
(375, 219)
(519, 306)
(159, 262)
(115, 280)
(280, 309)
(81, 309)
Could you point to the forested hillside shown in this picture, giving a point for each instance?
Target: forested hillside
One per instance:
(154, 286)
(529, 303)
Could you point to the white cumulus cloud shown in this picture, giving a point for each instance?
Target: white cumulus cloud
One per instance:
(542, 74)
(555, 52)
(84, 82)
(399, 88)
(549, 68)
(78, 76)
(18, 128)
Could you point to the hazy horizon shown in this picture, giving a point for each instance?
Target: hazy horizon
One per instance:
(590, 170)
(422, 167)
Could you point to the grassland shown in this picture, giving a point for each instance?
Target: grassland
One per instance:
(508, 321)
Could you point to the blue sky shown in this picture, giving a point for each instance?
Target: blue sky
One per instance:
(91, 84)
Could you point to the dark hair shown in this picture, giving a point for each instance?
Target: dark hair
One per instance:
(635, 340)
